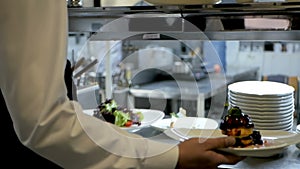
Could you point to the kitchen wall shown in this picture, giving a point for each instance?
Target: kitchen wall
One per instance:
(279, 58)
(271, 57)
(75, 44)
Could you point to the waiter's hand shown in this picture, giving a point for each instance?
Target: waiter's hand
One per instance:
(197, 153)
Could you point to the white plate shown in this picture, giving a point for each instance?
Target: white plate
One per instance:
(150, 116)
(264, 109)
(186, 122)
(278, 141)
(286, 127)
(270, 119)
(282, 124)
(270, 114)
(181, 2)
(267, 128)
(261, 88)
(275, 119)
(260, 100)
(263, 105)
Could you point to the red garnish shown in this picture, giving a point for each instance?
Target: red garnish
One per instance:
(128, 123)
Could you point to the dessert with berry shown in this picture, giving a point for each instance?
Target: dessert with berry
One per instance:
(240, 126)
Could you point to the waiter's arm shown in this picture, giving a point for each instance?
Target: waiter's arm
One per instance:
(33, 44)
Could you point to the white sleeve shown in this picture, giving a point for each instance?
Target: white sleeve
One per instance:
(33, 48)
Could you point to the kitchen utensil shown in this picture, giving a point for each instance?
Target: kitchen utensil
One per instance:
(74, 3)
(78, 63)
(85, 68)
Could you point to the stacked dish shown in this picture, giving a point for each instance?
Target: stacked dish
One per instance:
(298, 131)
(269, 104)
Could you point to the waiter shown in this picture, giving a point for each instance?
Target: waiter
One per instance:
(32, 62)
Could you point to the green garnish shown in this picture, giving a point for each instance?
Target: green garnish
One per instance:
(121, 118)
(112, 105)
(174, 115)
(235, 111)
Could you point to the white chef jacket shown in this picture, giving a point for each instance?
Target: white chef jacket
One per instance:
(33, 49)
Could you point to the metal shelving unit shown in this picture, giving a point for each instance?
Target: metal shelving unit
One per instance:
(91, 19)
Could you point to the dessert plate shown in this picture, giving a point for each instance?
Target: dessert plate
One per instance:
(276, 141)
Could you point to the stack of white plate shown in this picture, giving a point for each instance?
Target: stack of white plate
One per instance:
(269, 104)
(298, 131)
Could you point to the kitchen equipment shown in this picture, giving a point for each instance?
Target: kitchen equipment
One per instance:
(188, 68)
(155, 57)
(85, 68)
(181, 67)
(88, 3)
(74, 3)
(79, 63)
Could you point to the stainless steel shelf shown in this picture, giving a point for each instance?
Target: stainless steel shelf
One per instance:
(91, 19)
(271, 8)
(225, 35)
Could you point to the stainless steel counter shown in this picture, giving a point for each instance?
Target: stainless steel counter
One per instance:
(289, 159)
(214, 84)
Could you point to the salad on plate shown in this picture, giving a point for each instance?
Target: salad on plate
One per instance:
(111, 112)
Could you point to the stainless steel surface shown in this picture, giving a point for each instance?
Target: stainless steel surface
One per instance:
(289, 159)
(196, 91)
(212, 35)
(213, 86)
(174, 89)
(282, 9)
(91, 19)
